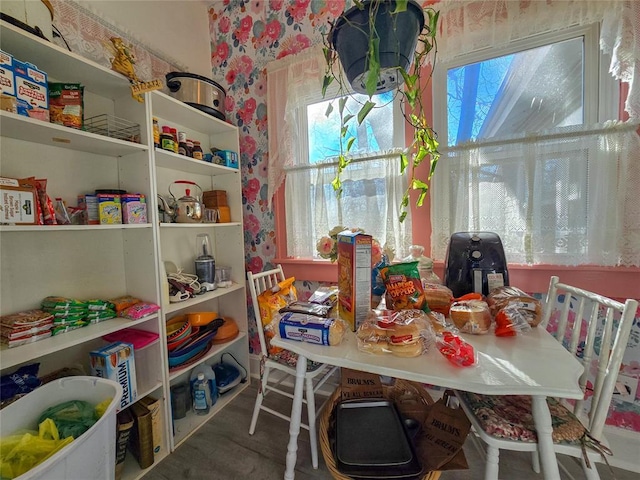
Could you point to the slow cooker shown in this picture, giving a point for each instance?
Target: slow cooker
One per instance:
(198, 91)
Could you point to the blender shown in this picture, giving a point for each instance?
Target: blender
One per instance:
(205, 263)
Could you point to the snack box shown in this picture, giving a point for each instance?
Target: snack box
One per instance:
(354, 277)
(89, 205)
(116, 362)
(230, 158)
(134, 208)
(109, 209)
(32, 92)
(7, 78)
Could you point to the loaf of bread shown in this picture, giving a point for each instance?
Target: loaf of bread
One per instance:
(471, 316)
(528, 306)
(438, 297)
(311, 329)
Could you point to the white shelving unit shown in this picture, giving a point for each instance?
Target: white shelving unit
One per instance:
(106, 261)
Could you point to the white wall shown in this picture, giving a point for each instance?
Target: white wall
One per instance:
(177, 28)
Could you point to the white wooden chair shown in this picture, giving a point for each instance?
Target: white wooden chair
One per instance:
(599, 322)
(316, 376)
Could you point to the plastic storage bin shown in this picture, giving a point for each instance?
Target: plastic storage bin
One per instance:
(91, 456)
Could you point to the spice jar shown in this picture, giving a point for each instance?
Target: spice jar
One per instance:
(166, 139)
(198, 154)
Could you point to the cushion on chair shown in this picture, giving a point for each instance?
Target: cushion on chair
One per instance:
(510, 417)
(290, 359)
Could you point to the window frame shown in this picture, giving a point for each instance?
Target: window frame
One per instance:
(617, 282)
(302, 148)
(601, 93)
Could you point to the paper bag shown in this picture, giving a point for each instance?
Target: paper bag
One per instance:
(355, 384)
(443, 434)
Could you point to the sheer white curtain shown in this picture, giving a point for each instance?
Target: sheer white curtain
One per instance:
(372, 190)
(468, 26)
(290, 81)
(567, 196)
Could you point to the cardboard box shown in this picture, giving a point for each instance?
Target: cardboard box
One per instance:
(89, 205)
(230, 158)
(17, 205)
(124, 426)
(109, 209)
(134, 208)
(31, 91)
(154, 405)
(116, 362)
(215, 198)
(7, 78)
(354, 277)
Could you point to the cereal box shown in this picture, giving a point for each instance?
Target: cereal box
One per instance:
(116, 362)
(7, 79)
(134, 208)
(31, 91)
(109, 209)
(354, 277)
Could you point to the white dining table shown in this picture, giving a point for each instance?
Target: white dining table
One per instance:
(532, 364)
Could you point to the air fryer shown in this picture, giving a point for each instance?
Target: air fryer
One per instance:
(475, 262)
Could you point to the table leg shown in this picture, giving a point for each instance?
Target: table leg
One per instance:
(294, 423)
(542, 420)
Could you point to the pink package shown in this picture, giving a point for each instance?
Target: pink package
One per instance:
(134, 208)
(139, 310)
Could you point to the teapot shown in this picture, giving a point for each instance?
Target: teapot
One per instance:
(187, 209)
(164, 210)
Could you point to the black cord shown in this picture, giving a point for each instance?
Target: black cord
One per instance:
(57, 33)
(244, 379)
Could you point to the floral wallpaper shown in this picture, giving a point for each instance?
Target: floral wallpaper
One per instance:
(245, 36)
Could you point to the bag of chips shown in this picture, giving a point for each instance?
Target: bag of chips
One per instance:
(270, 302)
(403, 287)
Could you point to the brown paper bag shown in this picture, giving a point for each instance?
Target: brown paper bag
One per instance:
(443, 434)
(356, 385)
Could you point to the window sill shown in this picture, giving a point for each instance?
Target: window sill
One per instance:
(616, 282)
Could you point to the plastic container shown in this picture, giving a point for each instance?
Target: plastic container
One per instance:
(425, 265)
(180, 400)
(92, 456)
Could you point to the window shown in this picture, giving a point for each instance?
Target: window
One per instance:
(523, 145)
(307, 148)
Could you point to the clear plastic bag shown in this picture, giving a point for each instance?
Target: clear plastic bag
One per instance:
(404, 333)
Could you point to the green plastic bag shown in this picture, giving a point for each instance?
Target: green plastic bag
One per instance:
(72, 418)
(24, 450)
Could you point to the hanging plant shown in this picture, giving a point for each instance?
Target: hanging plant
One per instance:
(384, 46)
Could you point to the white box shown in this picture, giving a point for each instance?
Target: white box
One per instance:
(91, 456)
(116, 362)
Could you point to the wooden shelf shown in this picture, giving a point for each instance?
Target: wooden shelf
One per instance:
(29, 129)
(24, 353)
(205, 297)
(61, 64)
(167, 159)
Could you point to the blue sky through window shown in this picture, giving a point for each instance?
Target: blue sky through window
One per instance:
(471, 91)
(374, 135)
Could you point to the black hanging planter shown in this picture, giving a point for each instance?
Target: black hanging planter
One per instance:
(398, 35)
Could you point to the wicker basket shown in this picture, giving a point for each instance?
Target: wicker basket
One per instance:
(393, 392)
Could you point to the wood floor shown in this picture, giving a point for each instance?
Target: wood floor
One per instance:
(222, 449)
